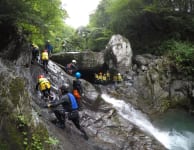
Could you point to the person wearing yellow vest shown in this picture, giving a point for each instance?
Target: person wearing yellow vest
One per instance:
(104, 79)
(45, 58)
(96, 79)
(44, 86)
(119, 78)
(100, 77)
(108, 75)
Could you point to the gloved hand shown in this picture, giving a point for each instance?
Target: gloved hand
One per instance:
(48, 105)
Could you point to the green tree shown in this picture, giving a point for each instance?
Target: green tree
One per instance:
(38, 20)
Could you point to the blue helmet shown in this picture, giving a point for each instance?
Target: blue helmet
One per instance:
(77, 75)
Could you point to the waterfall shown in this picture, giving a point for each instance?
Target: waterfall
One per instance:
(171, 139)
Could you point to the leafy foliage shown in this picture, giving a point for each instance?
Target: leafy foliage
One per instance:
(38, 20)
(146, 23)
(182, 53)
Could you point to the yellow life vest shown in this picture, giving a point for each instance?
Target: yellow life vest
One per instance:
(104, 77)
(100, 76)
(44, 56)
(108, 74)
(96, 76)
(119, 78)
(44, 84)
(115, 78)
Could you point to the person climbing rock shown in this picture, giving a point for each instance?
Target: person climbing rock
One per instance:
(71, 68)
(45, 59)
(49, 48)
(44, 86)
(70, 105)
(77, 88)
(35, 53)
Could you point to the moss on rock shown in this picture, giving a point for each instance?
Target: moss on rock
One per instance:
(17, 129)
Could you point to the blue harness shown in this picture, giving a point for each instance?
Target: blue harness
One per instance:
(74, 104)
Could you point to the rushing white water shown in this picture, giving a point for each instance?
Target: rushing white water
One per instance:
(172, 139)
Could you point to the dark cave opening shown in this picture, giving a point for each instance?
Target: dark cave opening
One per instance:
(88, 74)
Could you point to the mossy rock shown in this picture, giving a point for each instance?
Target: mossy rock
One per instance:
(16, 89)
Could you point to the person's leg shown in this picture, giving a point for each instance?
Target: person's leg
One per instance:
(43, 93)
(60, 117)
(46, 66)
(77, 124)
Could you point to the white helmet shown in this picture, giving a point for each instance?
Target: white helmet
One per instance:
(74, 61)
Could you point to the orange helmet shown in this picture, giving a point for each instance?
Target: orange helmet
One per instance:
(40, 76)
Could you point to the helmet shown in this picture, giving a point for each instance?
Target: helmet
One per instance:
(40, 76)
(64, 88)
(77, 75)
(118, 74)
(48, 41)
(74, 61)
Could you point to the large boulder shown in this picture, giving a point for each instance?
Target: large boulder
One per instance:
(86, 60)
(118, 54)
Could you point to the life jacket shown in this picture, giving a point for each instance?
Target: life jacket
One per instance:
(115, 78)
(44, 84)
(119, 78)
(73, 101)
(44, 56)
(100, 76)
(104, 77)
(76, 94)
(108, 75)
(96, 76)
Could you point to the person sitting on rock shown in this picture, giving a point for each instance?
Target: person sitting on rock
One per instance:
(119, 78)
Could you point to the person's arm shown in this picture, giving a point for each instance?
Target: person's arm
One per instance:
(62, 100)
(74, 67)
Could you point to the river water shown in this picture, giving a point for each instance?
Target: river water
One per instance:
(175, 130)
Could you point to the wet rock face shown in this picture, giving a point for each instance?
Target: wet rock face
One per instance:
(118, 54)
